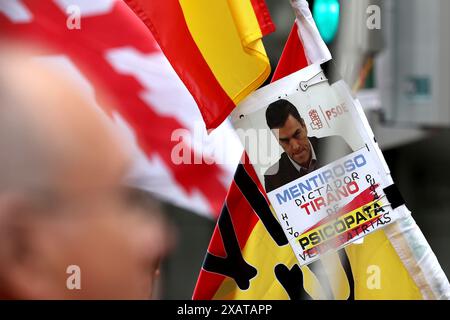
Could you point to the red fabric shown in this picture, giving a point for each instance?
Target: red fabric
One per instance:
(166, 21)
(263, 16)
(87, 49)
(293, 57)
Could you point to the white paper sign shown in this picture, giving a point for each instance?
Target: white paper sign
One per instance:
(315, 155)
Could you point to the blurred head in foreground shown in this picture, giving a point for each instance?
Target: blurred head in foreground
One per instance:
(67, 227)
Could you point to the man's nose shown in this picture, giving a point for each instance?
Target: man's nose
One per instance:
(294, 145)
(150, 237)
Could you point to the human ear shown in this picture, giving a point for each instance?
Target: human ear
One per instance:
(23, 273)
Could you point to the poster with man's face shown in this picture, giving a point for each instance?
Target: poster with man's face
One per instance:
(317, 160)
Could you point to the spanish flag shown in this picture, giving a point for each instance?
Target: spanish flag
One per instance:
(249, 256)
(214, 46)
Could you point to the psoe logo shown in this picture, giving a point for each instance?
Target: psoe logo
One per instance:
(336, 112)
(316, 122)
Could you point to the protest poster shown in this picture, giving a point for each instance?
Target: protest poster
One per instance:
(316, 156)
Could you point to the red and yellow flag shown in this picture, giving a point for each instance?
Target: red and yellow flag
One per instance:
(214, 46)
(249, 256)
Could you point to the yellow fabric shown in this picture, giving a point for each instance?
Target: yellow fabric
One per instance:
(228, 35)
(396, 283)
(264, 254)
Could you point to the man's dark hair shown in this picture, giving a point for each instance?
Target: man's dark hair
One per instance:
(278, 112)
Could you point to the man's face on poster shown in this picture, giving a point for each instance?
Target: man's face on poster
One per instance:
(293, 138)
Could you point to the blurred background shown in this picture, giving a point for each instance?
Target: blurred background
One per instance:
(393, 53)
